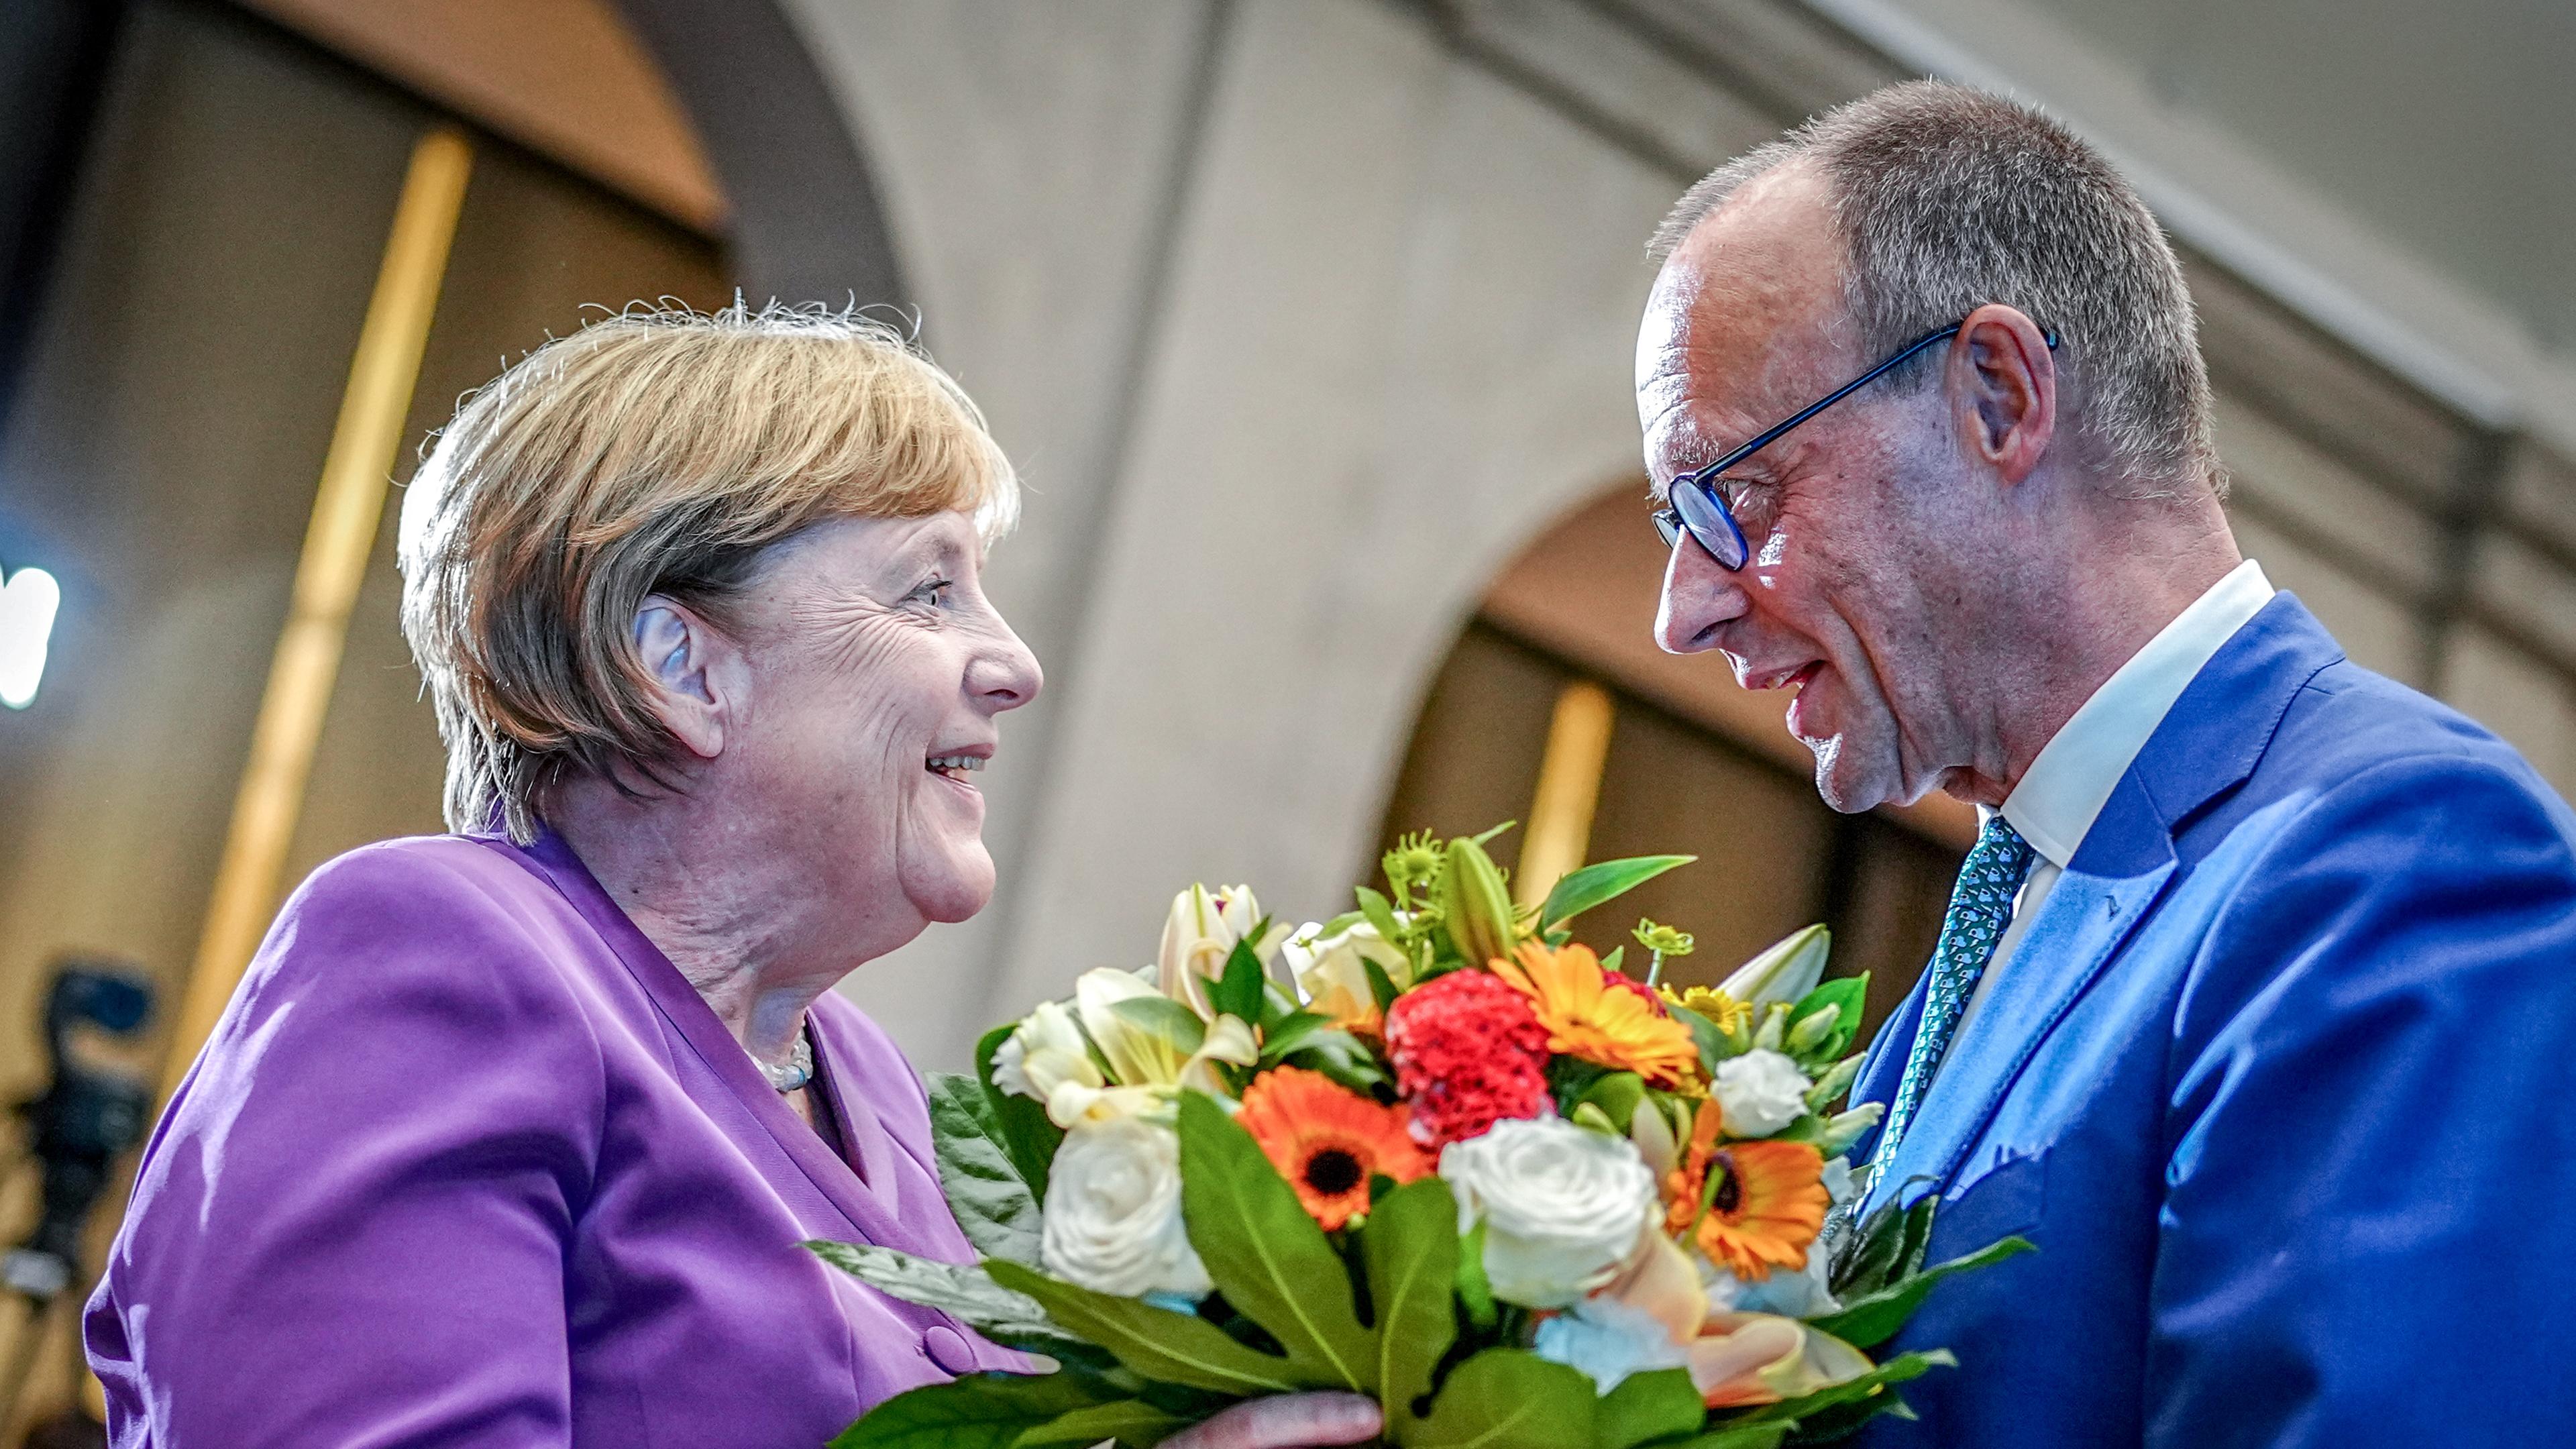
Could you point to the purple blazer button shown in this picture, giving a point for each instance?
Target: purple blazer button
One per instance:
(948, 1349)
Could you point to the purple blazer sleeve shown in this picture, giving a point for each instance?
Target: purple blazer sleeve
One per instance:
(351, 1225)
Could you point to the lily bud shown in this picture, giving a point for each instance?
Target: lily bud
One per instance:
(1836, 1081)
(1845, 1128)
(1474, 905)
(1652, 1131)
(1784, 973)
(1810, 1031)
(1774, 1032)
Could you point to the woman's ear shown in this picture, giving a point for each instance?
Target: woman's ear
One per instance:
(693, 666)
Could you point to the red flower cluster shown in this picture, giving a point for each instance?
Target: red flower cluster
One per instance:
(1468, 1053)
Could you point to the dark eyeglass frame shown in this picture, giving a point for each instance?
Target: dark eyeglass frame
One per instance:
(1693, 492)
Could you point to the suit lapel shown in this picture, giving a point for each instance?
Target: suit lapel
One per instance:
(704, 1035)
(2208, 743)
(2079, 929)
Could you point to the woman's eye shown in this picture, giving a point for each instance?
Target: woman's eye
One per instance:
(934, 593)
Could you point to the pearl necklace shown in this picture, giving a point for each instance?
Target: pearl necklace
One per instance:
(794, 1072)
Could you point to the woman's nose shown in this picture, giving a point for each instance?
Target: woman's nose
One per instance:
(1006, 675)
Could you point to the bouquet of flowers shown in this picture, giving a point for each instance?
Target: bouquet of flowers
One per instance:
(1430, 1151)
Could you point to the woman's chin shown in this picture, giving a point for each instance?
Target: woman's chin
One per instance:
(951, 887)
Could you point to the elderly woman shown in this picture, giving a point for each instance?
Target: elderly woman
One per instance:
(510, 1136)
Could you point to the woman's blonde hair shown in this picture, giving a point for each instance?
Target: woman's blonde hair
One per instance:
(659, 451)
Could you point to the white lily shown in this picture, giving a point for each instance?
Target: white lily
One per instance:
(1332, 971)
(1784, 973)
(1157, 1048)
(1200, 935)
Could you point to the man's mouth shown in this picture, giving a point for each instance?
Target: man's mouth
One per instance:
(1784, 678)
(956, 767)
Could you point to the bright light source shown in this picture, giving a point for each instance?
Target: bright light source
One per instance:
(27, 605)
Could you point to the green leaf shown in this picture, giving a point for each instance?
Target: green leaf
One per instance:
(978, 1411)
(1177, 1348)
(1869, 1321)
(1381, 914)
(1877, 1252)
(1163, 1017)
(965, 1293)
(1339, 1055)
(1410, 1247)
(1265, 1254)
(1026, 1133)
(1916, 1243)
(1291, 1035)
(1617, 1095)
(1506, 1398)
(1237, 993)
(1901, 1369)
(1611, 962)
(1475, 1292)
(1712, 1043)
(985, 1190)
(1737, 1436)
(1847, 995)
(1581, 890)
(1646, 1407)
(1128, 1421)
(1493, 831)
(1381, 986)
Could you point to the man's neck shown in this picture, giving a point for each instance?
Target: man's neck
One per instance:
(2100, 600)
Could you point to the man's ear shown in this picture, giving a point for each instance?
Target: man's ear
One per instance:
(695, 669)
(2003, 380)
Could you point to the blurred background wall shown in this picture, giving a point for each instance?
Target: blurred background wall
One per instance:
(1310, 324)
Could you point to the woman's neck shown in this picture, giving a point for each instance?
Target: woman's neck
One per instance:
(743, 925)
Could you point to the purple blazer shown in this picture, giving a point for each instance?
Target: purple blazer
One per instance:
(467, 1161)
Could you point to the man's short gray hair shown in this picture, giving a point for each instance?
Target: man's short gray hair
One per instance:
(1948, 198)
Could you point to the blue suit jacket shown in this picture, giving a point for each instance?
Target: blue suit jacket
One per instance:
(2282, 1083)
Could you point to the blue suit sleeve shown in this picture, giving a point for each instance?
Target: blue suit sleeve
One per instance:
(2371, 1159)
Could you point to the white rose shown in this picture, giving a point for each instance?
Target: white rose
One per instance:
(1562, 1206)
(1760, 1092)
(1608, 1340)
(1113, 1212)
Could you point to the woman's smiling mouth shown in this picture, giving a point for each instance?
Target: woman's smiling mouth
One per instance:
(956, 767)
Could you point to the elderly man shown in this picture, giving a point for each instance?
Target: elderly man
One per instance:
(2255, 1006)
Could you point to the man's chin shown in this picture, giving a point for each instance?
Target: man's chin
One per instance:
(1843, 785)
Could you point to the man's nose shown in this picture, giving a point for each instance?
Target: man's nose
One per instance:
(1700, 598)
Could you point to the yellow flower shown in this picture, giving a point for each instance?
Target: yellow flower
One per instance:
(1600, 1017)
(1724, 1012)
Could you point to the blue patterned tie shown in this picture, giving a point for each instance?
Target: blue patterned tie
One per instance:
(1980, 908)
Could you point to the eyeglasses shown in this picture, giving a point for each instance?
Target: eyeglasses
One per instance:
(1696, 507)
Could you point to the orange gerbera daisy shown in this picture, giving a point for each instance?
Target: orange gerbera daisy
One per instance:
(1328, 1141)
(1751, 1206)
(1600, 1017)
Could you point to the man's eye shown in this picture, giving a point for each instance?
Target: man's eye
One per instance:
(934, 593)
(1746, 499)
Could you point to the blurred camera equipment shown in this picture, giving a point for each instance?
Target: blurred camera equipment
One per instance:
(93, 1109)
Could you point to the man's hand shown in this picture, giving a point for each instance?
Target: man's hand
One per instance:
(1290, 1421)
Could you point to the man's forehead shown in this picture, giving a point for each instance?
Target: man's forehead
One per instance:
(1747, 301)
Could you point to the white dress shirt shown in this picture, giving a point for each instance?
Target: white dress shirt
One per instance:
(2066, 786)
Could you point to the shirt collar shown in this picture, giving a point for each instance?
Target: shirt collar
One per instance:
(2058, 797)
